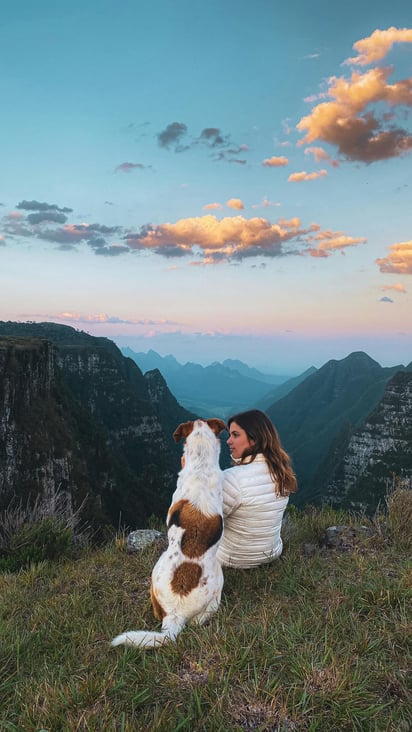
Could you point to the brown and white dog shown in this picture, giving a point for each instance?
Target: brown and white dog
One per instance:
(187, 580)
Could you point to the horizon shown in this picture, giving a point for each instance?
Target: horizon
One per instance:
(206, 349)
(273, 367)
(226, 182)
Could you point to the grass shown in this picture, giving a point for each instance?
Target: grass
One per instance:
(314, 641)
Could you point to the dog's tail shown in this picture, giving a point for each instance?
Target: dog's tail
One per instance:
(171, 628)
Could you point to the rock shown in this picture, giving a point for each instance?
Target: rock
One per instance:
(139, 539)
(344, 537)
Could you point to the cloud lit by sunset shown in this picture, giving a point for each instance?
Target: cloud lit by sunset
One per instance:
(236, 238)
(303, 175)
(399, 287)
(230, 237)
(399, 259)
(235, 203)
(353, 121)
(319, 155)
(212, 206)
(275, 162)
(378, 44)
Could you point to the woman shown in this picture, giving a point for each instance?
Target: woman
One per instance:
(255, 492)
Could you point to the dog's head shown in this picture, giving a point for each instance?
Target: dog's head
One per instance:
(184, 430)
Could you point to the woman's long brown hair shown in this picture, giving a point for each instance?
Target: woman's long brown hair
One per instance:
(265, 438)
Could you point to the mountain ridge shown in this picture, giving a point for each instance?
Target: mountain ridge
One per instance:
(218, 389)
(309, 417)
(126, 418)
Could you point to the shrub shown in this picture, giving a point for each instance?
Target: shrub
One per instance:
(39, 530)
(37, 542)
(399, 506)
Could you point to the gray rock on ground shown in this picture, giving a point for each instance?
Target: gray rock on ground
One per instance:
(139, 539)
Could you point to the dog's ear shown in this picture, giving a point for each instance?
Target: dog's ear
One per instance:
(216, 425)
(183, 430)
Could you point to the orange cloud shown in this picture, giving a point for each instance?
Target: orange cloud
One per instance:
(211, 206)
(398, 288)
(399, 259)
(340, 242)
(350, 122)
(211, 240)
(235, 203)
(330, 241)
(219, 238)
(318, 253)
(320, 154)
(275, 162)
(376, 46)
(290, 223)
(303, 175)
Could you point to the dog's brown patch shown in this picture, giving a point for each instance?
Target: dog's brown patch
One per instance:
(186, 578)
(200, 531)
(216, 425)
(183, 431)
(158, 611)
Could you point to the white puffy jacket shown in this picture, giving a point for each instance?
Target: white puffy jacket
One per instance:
(252, 514)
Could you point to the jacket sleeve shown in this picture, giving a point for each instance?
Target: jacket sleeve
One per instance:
(231, 493)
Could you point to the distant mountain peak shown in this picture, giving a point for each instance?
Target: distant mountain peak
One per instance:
(361, 357)
(354, 362)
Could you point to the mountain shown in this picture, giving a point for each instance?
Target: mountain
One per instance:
(244, 370)
(78, 416)
(280, 391)
(341, 393)
(152, 360)
(362, 465)
(217, 390)
(76, 413)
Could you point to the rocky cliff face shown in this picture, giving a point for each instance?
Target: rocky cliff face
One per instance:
(27, 370)
(75, 413)
(377, 454)
(40, 450)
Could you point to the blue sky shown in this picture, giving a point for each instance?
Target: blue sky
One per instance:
(220, 180)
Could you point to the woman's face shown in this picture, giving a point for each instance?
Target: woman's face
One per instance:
(238, 440)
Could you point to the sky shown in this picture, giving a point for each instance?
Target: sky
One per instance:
(210, 180)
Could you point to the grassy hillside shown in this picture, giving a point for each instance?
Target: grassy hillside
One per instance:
(319, 640)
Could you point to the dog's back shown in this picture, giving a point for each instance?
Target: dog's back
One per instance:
(200, 480)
